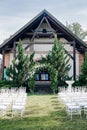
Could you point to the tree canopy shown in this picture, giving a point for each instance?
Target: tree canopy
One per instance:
(77, 29)
(21, 68)
(83, 75)
(58, 62)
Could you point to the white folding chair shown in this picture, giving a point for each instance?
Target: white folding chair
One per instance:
(18, 109)
(73, 110)
(85, 110)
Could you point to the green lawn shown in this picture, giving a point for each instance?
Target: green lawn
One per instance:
(44, 112)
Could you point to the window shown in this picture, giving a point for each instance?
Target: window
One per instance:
(44, 76)
(37, 77)
(44, 31)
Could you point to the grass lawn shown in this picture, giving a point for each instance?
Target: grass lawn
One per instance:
(44, 112)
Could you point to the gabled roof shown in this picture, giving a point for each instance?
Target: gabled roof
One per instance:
(35, 19)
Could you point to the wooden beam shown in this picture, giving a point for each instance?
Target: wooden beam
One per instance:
(3, 63)
(28, 34)
(28, 45)
(85, 51)
(14, 49)
(71, 43)
(68, 53)
(37, 29)
(49, 26)
(31, 33)
(60, 27)
(74, 60)
(8, 49)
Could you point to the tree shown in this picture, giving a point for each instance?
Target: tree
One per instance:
(83, 75)
(21, 69)
(77, 29)
(58, 63)
(60, 60)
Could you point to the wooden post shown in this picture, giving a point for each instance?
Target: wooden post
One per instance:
(74, 60)
(14, 49)
(3, 63)
(85, 51)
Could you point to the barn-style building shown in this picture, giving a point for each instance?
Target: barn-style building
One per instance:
(38, 35)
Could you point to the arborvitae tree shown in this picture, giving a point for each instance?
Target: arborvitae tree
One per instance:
(83, 75)
(21, 69)
(58, 64)
(60, 61)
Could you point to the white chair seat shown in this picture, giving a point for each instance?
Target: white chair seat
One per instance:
(82, 104)
(2, 107)
(17, 107)
(85, 106)
(73, 107)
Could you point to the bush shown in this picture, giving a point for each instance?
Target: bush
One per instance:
(5, 84)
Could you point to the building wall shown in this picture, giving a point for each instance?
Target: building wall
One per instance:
(43, 40)
(7, 59)
(42, 49)
(11, 58)
(81, 60)
(70, 50)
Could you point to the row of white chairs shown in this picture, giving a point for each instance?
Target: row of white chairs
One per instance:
(13, 100)
(74, 89)
(13, 90)
(75, 102)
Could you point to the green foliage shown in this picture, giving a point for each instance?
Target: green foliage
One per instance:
(21, 69)
(31, 84)
(53, 78)
(5, 84)
(77, 83)
(76, 28)
(58, 64)
(60, 61)
(83, 75)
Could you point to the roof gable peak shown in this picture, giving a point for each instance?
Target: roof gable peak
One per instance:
(44, 11)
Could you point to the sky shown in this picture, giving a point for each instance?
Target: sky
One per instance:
(16, 13)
